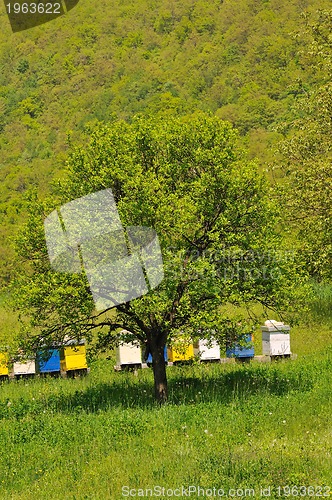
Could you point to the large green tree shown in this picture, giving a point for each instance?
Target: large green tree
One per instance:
(187, 179)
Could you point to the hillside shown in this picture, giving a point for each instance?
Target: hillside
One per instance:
(238, 59)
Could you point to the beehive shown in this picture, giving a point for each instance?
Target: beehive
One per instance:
(180, 352)
(73, 357)
(129, 353)
(48, 362)
(207, 351)
(26, 368)
(238, 351)
(276, 339)
(4, 364)
(149, 359)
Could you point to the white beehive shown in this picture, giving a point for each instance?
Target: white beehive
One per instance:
(206, 353)
(276, 338)
(129, 353)
(26, 368)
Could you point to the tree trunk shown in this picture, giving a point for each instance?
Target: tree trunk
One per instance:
(159, 373)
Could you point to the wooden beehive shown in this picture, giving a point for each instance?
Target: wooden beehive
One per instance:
(207, 351)
(4, 370)
(72, 358)
(180, 351)
(24, 369)
(48, 362)
(149, 359)
(276, 339)
(129, 354)
(241, 352)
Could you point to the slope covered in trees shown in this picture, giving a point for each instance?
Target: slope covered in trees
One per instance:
(237, 59)
(306, 161)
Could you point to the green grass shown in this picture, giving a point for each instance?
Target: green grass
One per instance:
(225, 426)
(322, 303)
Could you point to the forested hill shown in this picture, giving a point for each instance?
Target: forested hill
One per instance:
(111, 59)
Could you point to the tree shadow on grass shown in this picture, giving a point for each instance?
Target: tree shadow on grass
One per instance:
(104, 396)
(235, 385)
(184, 388)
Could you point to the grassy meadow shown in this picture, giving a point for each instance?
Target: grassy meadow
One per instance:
(239, 427)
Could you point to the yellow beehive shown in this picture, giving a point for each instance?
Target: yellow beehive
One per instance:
(3, 364)
(73, 358)
(180, 352)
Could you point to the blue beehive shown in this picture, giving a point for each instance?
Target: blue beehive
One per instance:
(238, 351)
(149, 360)
(49, 364)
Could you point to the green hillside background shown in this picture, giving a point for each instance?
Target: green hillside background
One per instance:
(245, 61)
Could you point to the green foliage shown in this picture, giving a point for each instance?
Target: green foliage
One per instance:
(238, 59)
(321, 305)
(187, 179)
(307, 161)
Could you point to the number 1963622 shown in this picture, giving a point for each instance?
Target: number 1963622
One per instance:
(34, 8)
